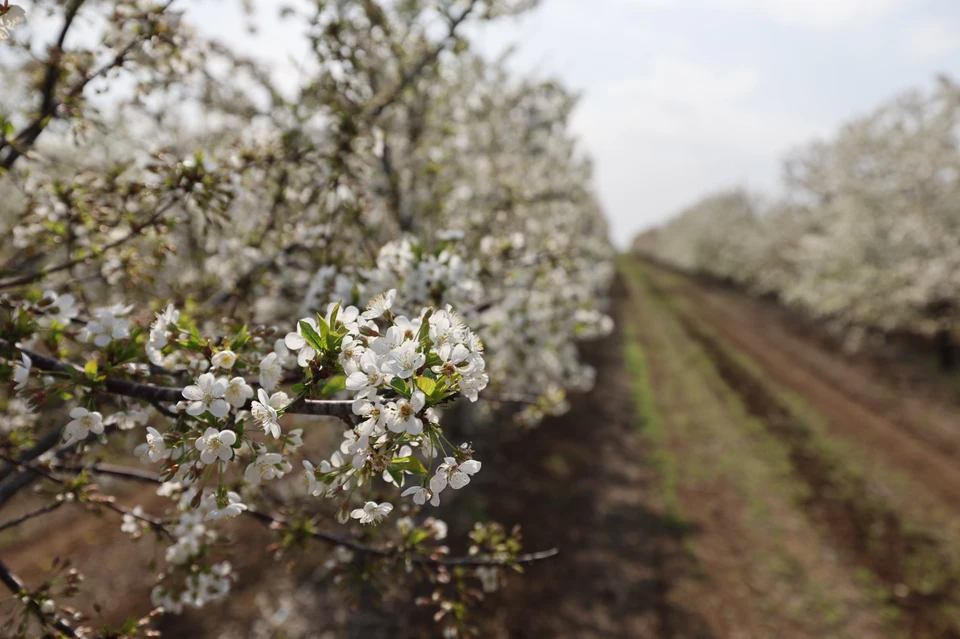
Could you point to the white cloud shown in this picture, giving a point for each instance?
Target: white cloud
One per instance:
(808, 14)
(678, 128)
(930, 39)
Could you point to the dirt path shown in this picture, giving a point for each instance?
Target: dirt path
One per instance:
(676, 513)
(875, 471)
(590, 488)
(919, 436)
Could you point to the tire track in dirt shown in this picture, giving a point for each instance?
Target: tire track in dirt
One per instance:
(861, 525)
(859, 522)
(926, 463)
(590, 489)
(741, 500)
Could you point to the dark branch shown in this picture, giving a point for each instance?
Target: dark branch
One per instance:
(15, 585)
(277, 521)
(49, 508)
(341, 409)
(25, 139)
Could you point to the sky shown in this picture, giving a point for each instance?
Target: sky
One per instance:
(682, 97)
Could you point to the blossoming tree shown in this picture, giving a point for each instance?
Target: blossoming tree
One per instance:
(868, 236)
(410, 230)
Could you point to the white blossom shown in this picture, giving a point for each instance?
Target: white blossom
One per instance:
(214, 445)
(154, 449)
(263, 468)
(236, 391)
(271, 371)
(206, 395)
(231, 509)
(223, 359)
(372, 512)
(83, 423)
(107, 326)
(21, 372)
(265, 415)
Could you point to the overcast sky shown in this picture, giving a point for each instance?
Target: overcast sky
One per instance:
(684, 96)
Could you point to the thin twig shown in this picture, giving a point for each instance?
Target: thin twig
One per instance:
(49, 508)
(341, 409)
(135, 474)
(16, 585)
(135, 230)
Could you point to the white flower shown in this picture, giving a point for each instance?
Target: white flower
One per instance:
(216, 445)
(84, 422)
(368, 406)
(271, 371)
(10, 18)
(309, 478)
(131, 418)
(62, 309)
(279, 400)
(369, 375)
(347, 316)
(237, 392)
(402, 415)
(379, 305)
(232, 508)
(224, 359)
(21, 372)
(351, 350)
(296, 342)
(404, 360)
(452, 357)
(265, 415)
(420, 494)
(372, 512)
(265, 467)
(437, 526)
(107, 327)
(131, 524)
(450, 472)
(154, 449)
(206, 395)
(489, 577)
(294, 439)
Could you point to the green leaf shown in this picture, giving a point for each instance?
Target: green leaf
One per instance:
(241, 339)
(333, 315)
(313, 339)
(425, 326)
(322, 323)
(427, 385)
(299, 388)
(396, 473)
(400, 386)
(90, 368)
(334, 385)
(410, 464)
(418, 535)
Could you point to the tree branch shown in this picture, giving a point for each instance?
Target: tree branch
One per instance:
(30, 515)
(135, 230)
(25, 139)
(16, 586)
(341, 409)
(135, 474)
